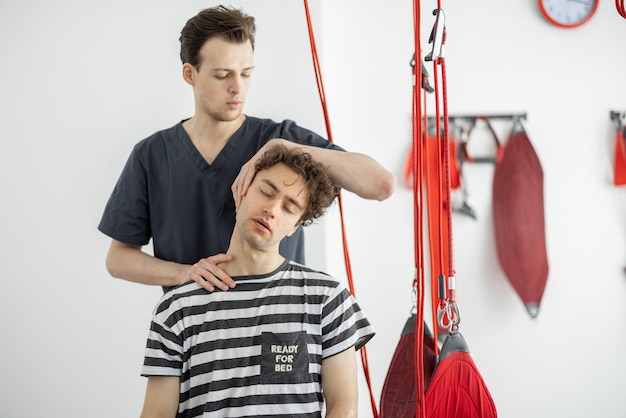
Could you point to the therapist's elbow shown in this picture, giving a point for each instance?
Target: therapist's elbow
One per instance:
(384, 187)
(113, 265)
(117, 255)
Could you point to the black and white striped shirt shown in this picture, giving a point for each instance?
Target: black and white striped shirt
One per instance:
(256, 349)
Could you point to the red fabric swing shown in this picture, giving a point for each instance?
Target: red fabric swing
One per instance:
(398, 400)
(518, 216)
(455, 388)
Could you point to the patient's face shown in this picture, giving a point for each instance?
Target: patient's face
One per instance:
(273, 206)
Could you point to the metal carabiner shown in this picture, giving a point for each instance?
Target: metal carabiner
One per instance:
(437, 36)
(455, 315)
(443, 313)
(448, 316)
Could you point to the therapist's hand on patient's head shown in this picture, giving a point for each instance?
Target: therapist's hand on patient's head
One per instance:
(248, 171)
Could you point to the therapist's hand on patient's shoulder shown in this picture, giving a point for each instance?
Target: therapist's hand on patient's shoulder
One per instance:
(208, 275)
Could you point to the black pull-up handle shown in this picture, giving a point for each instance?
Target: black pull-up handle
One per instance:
(619, 118)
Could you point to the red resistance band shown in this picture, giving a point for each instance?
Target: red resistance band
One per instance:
(322, 94)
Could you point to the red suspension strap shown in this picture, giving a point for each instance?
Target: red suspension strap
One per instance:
(431, 168)
(320, 87)
(447, 311)
(419, 158)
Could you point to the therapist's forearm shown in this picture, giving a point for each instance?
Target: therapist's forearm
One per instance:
(354, 172)
(128, 262)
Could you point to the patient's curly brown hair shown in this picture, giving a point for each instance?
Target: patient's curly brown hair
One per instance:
(322, 191)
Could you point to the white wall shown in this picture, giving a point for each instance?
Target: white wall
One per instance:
(81, 82)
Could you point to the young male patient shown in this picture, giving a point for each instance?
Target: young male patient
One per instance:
(282, 342)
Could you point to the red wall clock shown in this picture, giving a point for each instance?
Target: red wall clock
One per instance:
(568, 13)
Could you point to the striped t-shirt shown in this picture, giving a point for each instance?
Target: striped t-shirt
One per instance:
(256, 349)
